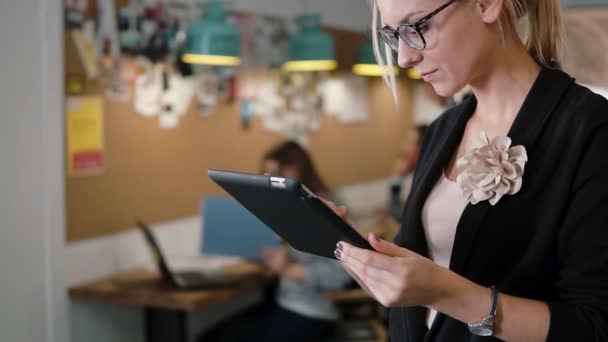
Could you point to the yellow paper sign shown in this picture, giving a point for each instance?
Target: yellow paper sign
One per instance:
(84, 127)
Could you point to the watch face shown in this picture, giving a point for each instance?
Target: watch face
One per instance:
(483, 329)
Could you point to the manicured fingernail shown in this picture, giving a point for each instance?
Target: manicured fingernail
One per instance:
(339, 247)
(338, 254)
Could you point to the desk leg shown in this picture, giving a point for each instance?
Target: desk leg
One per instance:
(165, 325)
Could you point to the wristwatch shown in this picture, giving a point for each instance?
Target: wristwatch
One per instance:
(485, 327)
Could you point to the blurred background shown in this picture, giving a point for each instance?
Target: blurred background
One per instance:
(113, 110)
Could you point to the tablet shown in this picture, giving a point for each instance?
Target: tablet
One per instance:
(291, 210)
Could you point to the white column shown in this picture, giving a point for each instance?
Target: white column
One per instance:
(32, 296)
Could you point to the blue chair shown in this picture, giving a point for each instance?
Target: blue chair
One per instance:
(231, 230)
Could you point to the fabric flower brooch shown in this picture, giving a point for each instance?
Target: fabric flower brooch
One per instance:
(491, 169)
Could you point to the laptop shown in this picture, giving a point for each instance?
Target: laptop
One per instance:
(231, 230)
(194, 279)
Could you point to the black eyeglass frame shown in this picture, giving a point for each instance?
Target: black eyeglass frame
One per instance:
(386, 30)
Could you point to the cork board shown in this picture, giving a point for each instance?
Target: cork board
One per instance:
(159, 175)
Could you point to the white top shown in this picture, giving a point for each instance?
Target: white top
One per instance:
(440, 216)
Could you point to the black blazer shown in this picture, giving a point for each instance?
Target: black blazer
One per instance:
(548, 242)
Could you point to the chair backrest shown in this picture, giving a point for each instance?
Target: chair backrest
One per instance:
(230, 229)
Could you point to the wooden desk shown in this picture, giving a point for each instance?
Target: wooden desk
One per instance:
(353, 295)
(165, 308)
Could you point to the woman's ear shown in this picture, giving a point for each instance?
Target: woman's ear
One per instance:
(490, 10)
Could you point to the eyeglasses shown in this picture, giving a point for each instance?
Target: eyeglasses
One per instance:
(411, 34)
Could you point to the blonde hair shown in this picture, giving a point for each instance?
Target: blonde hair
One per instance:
(541, 37)
(389, 65)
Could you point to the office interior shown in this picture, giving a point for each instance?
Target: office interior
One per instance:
(106, 121)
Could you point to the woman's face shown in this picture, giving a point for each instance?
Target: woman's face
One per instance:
(410, 143)
(290, 171)
(458, 41)
(273, 168)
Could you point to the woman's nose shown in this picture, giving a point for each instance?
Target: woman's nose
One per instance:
(407, 56)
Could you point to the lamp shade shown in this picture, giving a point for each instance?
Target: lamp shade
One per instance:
(366, 61)
(413, 74)
(213, 41)
(310, 49)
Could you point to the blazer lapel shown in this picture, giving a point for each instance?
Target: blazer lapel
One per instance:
(543, 98)
(414, 237)
(430, 171)
(441, 155)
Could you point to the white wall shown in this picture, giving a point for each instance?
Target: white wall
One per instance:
(425, 109)
(599, 90)
(32, 301)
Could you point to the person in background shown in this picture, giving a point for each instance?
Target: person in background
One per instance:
(400, 181)
(299, 311)
(401, 178)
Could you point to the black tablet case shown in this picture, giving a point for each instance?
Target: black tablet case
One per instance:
(290, 210)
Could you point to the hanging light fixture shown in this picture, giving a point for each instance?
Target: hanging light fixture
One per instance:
(367, 64)
(413, 74)
(212, 40)
(310, 49)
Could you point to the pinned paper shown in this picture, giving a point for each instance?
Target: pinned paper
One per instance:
(86, 52)
(159, 92)
(345, 97)
(168, 120)
(85, 141)
(246, 114)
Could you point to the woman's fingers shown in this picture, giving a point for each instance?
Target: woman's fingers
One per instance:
(388, 248)
(361, 283)
(377, 289)
(350, 254)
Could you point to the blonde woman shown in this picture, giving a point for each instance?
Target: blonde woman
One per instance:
(505, 232)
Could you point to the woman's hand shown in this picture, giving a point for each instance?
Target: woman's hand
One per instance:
(395, 276)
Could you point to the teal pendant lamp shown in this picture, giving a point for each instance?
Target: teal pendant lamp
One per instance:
(310, 49)
(213, 41)
(366, 61)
